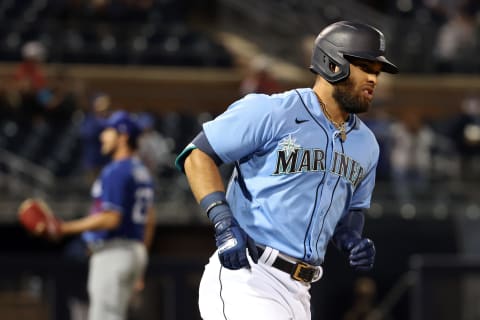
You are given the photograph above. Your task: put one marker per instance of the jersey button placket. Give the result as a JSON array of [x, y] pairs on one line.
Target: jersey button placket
[[326, 192], [330, 176]]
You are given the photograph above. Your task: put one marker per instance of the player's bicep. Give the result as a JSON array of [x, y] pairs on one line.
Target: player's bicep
[[199, 142], [203, 174]]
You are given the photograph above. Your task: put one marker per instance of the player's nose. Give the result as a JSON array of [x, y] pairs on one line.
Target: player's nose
[[372, 78]]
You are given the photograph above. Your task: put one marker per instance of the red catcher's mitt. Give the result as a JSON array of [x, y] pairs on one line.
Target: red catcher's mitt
[[37, 218]]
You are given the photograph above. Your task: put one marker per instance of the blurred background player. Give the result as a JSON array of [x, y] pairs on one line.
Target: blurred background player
[[90, 129], [154, 149], [120, 227]]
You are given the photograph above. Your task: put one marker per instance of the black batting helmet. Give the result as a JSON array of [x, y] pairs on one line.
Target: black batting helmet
[[344, 39]]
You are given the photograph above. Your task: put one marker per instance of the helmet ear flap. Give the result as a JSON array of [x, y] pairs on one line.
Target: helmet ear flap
[[329, 63]]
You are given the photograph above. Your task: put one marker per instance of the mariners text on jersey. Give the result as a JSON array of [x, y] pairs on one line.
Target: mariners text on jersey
[[295, 160]]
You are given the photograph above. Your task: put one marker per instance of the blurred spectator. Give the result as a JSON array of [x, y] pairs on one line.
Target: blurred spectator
[[58, 100], [455, 44], [154, 149], [90, 129], [30, 74], [364, 301], [442, 9], [411, 156], [379, 122], [466, 135], [259, 78], [29, 78]]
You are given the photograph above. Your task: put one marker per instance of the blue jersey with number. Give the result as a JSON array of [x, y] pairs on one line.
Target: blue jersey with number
[[124, 186], [294, 177]]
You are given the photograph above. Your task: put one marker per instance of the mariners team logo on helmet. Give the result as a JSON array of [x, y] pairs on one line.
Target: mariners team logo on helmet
[[345, 39]]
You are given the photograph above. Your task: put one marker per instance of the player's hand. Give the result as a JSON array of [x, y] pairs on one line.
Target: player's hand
[[231, 240], [232, 243], [361, 254]]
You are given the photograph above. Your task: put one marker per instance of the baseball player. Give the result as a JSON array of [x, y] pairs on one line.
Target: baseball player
[[121, 222], [304, 174]]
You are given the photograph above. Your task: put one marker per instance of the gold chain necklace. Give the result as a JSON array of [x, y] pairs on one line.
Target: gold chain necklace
[[339, 126]]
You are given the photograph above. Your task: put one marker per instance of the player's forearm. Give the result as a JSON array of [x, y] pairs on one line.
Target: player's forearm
[[349, 227], [103, 221], [149, 228], [202, 174]]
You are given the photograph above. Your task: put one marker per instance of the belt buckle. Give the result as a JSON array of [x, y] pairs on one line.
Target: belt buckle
[[305, 273]]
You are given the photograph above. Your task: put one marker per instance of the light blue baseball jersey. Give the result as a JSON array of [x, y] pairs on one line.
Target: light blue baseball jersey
[[124, 186], [294, 178]]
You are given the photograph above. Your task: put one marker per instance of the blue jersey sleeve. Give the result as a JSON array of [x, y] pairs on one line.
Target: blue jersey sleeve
[[363, 193], [244, 128], [115, 185]]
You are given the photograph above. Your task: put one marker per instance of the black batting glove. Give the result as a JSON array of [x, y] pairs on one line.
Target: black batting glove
[[361, 254], [231, 240]]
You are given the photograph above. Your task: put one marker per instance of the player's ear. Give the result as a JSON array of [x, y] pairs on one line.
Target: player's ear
[[122, 136]]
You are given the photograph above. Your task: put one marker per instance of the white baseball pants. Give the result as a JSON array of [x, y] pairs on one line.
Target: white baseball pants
[[262, 292]]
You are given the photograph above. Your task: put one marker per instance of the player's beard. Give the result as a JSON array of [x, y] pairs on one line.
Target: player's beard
[[348, 98], [110, 152], [109, 149]]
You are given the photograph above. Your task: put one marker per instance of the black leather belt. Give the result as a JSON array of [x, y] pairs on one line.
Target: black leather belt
[[299, 271]]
